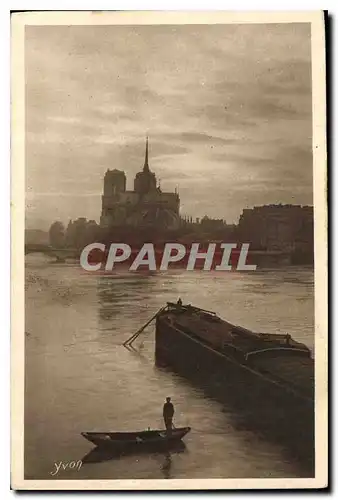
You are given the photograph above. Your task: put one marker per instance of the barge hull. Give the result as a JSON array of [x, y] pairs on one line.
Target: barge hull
[[252, 398]]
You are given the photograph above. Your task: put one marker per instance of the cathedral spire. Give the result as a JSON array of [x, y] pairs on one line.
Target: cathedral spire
[[146, 165]]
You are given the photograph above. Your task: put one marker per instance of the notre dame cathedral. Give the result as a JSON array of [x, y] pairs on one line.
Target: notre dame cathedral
[[146, 205]]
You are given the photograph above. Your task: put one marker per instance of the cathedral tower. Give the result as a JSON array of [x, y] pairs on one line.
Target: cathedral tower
[[114, 182]]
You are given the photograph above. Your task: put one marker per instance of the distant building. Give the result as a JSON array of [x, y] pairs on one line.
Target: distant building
[[278, 227], [146, 205], [208, 229], [208, 224]]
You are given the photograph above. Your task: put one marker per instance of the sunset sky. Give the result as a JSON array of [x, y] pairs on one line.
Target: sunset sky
[[227, 109]]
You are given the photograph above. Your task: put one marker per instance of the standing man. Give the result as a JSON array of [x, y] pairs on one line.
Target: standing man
[[168, 413]]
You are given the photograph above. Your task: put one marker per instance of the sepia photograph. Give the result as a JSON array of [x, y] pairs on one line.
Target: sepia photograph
[[169, 251]]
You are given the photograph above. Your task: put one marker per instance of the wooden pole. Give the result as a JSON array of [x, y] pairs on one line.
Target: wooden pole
[[136, 334]]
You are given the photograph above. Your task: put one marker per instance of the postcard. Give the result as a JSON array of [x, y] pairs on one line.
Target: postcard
[[169, 251]]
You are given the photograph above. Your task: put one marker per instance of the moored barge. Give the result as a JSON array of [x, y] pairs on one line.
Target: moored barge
[[267, 377]]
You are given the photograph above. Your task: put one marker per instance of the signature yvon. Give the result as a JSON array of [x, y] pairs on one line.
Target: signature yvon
[[65, 465]]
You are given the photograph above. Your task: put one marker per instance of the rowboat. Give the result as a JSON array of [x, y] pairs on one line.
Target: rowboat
[[122, 440]]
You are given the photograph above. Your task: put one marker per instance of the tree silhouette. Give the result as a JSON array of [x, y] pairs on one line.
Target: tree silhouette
[[57, 234]]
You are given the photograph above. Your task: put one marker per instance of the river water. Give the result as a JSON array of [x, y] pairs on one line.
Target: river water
[[79, 377]]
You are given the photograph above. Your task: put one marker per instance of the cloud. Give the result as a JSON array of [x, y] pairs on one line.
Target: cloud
[[227, 108]]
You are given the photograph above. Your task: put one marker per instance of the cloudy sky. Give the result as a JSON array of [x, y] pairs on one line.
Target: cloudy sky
[[227, 109]]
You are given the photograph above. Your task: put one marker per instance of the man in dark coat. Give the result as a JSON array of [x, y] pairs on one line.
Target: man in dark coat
[[168, 413]]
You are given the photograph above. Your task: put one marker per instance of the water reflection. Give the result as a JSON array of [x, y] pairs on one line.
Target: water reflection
[[166, 455], [166, 466]]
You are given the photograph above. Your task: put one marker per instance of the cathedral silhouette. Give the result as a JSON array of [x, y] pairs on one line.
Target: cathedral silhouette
[[145, 206]]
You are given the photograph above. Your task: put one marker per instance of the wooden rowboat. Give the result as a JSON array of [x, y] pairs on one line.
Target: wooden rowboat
[[141, 438]]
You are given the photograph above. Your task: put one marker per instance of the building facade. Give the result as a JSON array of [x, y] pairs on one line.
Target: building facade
[[146, 205], [278, 227]]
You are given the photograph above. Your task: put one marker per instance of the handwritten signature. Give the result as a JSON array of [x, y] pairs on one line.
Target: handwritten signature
[[66, 465]]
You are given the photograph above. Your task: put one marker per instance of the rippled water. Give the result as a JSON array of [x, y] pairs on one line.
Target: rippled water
[[79, 377]]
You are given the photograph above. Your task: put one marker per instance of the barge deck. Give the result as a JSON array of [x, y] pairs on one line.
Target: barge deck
[[278, 357]]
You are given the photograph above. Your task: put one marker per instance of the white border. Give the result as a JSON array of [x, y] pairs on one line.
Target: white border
[[319, 140]]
